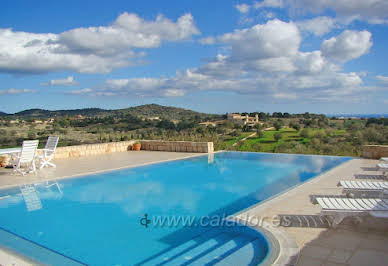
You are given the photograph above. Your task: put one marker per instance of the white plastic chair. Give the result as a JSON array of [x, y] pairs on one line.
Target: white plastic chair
[[26, 159], [48, 152]]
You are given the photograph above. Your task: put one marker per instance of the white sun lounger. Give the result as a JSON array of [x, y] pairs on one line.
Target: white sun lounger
[[384, 159], [383, 167], [341, 208], [364, 187]]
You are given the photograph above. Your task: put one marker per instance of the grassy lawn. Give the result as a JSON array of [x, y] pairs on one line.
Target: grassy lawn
[[231, 140], [267, 142]]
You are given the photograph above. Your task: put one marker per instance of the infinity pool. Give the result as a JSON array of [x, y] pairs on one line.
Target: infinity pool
[[96, 219]]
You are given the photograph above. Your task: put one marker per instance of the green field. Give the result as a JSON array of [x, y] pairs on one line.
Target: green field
[[268, 143]]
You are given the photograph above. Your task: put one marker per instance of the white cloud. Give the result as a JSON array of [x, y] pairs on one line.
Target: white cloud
[[69, 81], [318, 26], [348, 45], [383, 79], [92, 49], [373, 11], [262, 60], [273, 39], [208, 40], [16, 91], [82, 91], [173, 93], [310, 62], [269, 3], [242, 8]]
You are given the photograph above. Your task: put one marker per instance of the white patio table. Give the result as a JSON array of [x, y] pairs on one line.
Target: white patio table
[[10, 151]]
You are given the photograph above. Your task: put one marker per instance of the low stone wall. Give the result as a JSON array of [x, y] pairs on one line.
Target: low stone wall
[[177, 146], [374, 151], [92, 149], [150, 145]]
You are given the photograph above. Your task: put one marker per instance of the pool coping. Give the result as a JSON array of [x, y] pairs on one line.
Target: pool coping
[[283, 247]]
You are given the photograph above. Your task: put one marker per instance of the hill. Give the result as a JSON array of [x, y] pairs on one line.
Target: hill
[[148, 110], [47, 113], [164, 112]]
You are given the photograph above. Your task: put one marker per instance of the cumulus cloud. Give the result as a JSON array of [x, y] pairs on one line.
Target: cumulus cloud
[[269, 3], [263, 60], [383, 79], [348, 45], [208, 40], [15, 91], [92, 49], [373, 11], [69, 81], [273, 39], [318, 26], [242, 8], [82, 91]]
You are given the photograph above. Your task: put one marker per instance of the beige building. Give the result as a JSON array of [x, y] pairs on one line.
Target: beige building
[[244, 119]]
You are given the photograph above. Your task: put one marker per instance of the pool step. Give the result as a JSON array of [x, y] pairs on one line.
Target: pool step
[[213, 247], [165, 255], [220, 253], [199, 251], [242, 256]]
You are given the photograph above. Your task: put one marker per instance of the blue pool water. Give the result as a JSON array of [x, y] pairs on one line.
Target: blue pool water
[[95, 219]]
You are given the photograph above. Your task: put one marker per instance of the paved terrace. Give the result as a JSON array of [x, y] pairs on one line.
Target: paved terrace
[[77, 166], [350, 243], [365, 244]]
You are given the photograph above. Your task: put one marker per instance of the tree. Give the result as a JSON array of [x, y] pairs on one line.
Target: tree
[[305, 133], [277, 125], [277, 136], [166, 124], [295, 126]]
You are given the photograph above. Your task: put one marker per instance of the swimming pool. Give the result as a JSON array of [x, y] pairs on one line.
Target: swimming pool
[[100, 219]]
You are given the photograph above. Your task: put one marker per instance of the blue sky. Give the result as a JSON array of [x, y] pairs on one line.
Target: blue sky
[[325, 56]]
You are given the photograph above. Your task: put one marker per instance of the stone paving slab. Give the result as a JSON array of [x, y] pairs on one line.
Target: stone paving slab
[[350, 243], [72, 167]]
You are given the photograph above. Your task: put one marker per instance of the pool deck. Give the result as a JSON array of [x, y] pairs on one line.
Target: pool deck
[[364, 243], [349, 244], [78, 166]]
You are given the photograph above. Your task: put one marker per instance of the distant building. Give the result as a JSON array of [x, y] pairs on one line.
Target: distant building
[[244, 119]]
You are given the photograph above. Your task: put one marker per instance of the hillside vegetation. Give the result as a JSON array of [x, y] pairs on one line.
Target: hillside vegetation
[[279, 132], [144, 111]]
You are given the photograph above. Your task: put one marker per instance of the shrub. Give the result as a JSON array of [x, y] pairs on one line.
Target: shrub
[[295, 126], [305, 133], [256, 146], [277, 136], [31, 135], [277, 126]]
